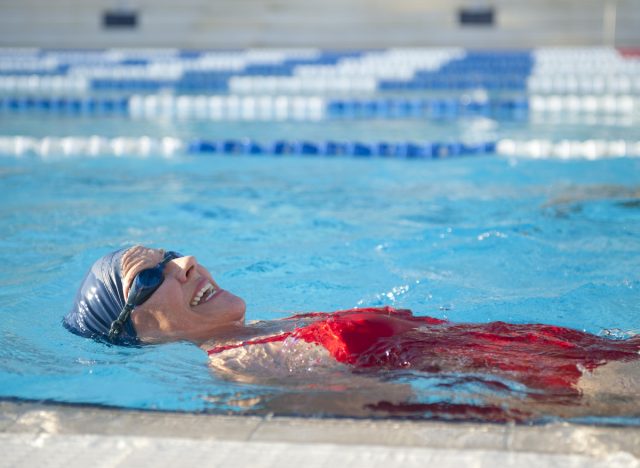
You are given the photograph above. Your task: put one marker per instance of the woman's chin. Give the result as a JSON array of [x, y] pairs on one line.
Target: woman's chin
[[223, 306]]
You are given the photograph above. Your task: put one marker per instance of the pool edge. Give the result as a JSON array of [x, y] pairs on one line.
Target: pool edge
[[18, 419]]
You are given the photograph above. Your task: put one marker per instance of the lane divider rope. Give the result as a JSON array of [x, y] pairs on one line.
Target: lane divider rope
[[169, 146], [268, 108]]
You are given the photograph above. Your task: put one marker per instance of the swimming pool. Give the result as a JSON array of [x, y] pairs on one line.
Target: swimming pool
[[547, 230]]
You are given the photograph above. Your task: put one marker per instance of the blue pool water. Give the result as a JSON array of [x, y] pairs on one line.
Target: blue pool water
[[473, 239], [469, 240]]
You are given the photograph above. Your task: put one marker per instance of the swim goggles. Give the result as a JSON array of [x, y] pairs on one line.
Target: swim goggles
[[144, 285]]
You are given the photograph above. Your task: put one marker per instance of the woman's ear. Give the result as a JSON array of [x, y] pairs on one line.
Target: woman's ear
[[147, 325]]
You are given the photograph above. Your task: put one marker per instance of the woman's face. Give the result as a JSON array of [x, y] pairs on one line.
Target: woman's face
[[188, 305]]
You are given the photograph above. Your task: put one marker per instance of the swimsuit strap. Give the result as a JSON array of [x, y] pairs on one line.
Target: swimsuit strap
[[268, 339]]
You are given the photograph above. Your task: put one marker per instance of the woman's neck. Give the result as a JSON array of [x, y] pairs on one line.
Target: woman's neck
[[239, 332]]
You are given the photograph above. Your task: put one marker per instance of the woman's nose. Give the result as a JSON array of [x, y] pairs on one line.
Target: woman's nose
[[186, 266]]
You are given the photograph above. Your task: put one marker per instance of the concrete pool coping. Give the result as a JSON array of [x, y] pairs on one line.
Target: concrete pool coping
[[33, 434]]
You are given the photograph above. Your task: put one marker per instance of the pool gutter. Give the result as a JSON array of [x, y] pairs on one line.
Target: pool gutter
[[34, 434]]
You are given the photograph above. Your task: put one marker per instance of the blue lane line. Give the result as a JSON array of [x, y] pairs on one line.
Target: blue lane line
[[477, 69], [219, 81], [59, 70], [336, 109], [85, 106], [329, 148], [443, 108]]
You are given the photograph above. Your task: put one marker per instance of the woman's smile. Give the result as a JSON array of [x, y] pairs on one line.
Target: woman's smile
[[204, 292]]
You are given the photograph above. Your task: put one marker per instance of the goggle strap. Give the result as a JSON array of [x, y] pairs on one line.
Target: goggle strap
[[117, 324]]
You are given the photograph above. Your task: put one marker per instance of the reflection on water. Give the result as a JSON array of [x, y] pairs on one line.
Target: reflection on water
[[493, 372], [446, 397], [572, 199]]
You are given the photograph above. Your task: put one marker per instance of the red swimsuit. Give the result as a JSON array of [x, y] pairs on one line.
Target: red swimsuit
[[540, 356]]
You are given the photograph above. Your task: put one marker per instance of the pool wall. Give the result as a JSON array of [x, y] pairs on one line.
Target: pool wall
[[331, 24]]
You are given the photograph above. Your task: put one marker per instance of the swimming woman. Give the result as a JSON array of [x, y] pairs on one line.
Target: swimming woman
[[144, 296]]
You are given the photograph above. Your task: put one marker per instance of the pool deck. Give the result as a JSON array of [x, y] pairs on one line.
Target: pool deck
[[34, 434]]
